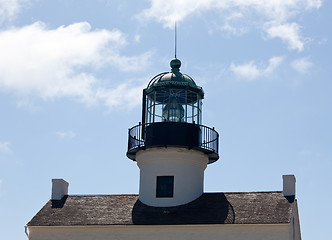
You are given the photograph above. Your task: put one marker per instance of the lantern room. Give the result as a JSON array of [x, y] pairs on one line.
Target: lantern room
[[172, 116], [172, 97]]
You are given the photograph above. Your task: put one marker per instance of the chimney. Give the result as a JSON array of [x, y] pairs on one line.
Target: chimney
[[289, 187], [59, 189]]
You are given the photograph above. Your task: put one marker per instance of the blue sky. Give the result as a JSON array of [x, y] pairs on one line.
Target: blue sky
[[72, 74]]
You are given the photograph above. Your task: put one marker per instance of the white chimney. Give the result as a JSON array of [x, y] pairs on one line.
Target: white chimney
[[289, 185], [59, 189]]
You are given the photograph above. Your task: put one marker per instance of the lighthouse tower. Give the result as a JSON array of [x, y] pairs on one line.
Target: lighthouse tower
[[171, 146]]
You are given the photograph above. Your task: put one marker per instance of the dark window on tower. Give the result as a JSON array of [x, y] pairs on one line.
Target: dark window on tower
[[165, 186]]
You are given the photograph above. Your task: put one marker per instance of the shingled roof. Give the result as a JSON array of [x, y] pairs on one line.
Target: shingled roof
[[210, 208]]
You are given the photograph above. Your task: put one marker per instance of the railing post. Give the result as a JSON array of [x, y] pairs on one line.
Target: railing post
[[128, 138]]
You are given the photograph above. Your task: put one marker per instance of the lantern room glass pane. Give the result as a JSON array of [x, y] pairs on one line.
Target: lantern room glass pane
[[158, 112], [173, 105]]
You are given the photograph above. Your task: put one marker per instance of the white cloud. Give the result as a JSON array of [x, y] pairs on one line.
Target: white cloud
[[66, 134], [301, 65], [250, 71], [9, 8], [274, 62], [49, 63], [123, 96], [289, 33], [322, 41], [230, 25], [5, 147], [236, 16], [313, 3], [137, 38], [178, 10], [27, 104]]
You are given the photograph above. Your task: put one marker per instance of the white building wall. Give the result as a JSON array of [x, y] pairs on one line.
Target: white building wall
[[295, 231], [187, 167], [185, 232]]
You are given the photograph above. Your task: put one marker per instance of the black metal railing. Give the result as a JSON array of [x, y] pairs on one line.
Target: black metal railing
[[208, 141], [210, 138], [135, 137]]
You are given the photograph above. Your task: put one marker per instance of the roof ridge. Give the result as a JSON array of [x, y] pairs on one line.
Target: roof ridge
[[245, 192], [91, 195], [136, 194]]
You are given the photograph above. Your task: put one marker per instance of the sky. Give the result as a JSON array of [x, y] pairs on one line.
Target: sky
[[71, 80]]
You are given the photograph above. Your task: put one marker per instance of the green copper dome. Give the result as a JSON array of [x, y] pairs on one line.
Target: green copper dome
[[173, 80]]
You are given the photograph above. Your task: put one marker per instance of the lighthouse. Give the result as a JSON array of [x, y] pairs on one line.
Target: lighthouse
[[170, 145], [172, 149]]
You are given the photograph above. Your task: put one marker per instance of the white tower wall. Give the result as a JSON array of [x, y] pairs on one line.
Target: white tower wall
[[187, 167]]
